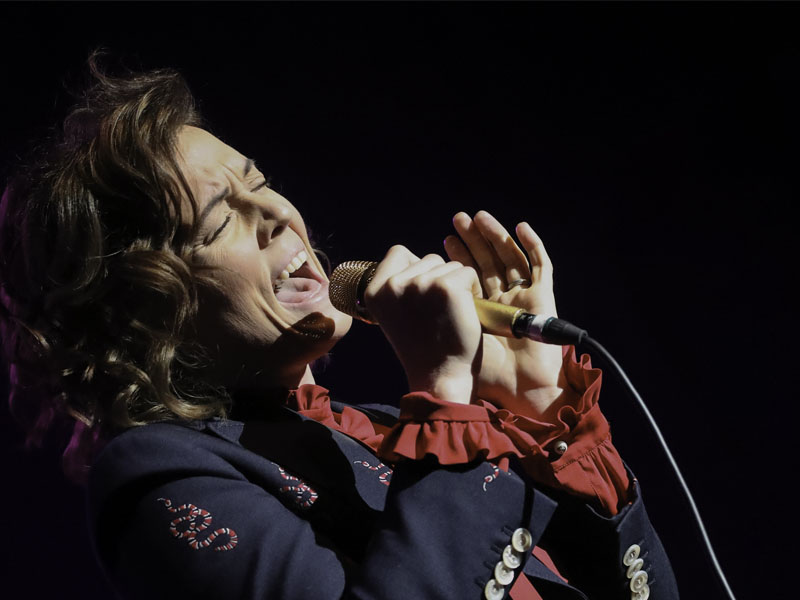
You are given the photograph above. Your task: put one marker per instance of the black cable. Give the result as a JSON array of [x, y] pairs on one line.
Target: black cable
[[595, 345]]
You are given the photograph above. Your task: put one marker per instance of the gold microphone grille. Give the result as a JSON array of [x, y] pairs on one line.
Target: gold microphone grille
[[343, 288]]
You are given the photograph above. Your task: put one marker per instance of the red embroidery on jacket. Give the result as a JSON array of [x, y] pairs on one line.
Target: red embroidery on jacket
[[190, 533], [490, 478], [496, 470], [384, 477], [304, 495]]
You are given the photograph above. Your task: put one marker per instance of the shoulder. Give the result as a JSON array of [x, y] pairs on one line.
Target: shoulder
[[165, 450], [167, 443]]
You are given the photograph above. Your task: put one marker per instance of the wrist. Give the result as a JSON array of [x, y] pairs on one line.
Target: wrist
[[544, 403], [448, 383]]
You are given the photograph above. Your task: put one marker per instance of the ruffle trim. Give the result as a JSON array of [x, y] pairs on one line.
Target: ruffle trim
[[313, 401], [457, 433]]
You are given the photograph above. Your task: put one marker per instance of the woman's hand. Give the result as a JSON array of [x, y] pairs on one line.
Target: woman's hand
[[426, 310], [518, 374]]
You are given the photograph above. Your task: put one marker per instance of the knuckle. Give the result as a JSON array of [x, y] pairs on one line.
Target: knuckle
[[433, 258], [393, 285], [398, 250], [469, 272], [419, 284]]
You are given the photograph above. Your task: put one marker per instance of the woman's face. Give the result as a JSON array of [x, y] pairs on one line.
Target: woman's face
[[272, 314]]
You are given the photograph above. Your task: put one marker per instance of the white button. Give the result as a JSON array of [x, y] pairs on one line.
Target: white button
[[638, 581], [560, 447], [522, 540], [511, 558], [631, 554], [642, 594], [635, 566], [493, 590], [502, 574]]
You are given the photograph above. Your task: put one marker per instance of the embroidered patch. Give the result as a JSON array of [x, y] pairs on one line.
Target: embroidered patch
[[490, 478], [495, 474], [384, 477], [302, 494], [197, 520]]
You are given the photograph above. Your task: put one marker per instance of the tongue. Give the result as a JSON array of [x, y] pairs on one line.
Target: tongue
[[296, 289]]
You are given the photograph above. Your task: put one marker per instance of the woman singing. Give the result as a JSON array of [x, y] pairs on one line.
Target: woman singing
[[161, 298]]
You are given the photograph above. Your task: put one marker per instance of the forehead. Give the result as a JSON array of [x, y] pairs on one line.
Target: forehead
[[209, 162]]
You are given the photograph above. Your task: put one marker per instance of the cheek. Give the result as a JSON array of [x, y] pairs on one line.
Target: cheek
[[243, 284], [232, 316], [243, 265]]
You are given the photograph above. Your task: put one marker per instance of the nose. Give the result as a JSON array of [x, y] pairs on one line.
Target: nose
[[275, 214]]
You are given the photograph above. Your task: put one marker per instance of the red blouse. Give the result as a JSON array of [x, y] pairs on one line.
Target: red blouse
[[589, 468]]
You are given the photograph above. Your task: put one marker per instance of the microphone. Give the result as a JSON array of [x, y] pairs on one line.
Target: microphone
[[350, 279]]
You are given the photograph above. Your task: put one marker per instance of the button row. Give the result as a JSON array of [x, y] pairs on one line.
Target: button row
[[637, 575], [521, 543]]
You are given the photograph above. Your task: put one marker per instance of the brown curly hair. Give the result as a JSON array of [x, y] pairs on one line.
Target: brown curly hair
[[97, 289]]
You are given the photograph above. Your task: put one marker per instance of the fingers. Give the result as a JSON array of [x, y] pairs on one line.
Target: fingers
[[456, 250], [432, 271], [516, 264], [401, 270], [396, 259], [459, 277], [424, 266], [486, 245], [541, 265], [485, 259]]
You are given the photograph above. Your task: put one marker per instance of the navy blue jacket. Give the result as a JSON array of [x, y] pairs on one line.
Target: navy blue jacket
[[286, 508]]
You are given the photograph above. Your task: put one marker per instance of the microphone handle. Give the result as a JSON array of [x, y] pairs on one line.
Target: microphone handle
[[510, 321]]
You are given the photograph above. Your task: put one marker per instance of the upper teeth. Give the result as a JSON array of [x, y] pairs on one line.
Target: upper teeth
[[296, 263]]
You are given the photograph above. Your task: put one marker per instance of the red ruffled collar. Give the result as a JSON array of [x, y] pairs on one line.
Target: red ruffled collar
[[313, 401]]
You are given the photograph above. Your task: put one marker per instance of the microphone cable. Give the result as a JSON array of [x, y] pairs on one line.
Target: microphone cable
[[595, 345]]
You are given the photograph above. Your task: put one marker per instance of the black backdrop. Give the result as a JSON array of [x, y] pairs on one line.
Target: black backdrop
[[652, 146]]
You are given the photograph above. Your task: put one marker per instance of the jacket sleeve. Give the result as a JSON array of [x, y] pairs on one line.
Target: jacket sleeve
[[619, 556], [173, 518]]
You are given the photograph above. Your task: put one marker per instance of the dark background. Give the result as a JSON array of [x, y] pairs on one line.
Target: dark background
[[652, 146]]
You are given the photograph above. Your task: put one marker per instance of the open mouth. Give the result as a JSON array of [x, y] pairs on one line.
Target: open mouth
[[298, 282]]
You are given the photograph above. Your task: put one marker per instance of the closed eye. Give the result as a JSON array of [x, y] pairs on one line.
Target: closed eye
[[265, 184], [219, 229]]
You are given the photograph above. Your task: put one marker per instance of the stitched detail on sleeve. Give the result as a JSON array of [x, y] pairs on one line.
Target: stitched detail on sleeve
[[197, 520], [490, 478], [385, 477], [302, 493]]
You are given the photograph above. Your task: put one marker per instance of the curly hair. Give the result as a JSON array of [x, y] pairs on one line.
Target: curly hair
[[97, 288]]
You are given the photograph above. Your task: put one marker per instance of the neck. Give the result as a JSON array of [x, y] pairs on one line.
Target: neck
[[255, 395], [308, 376], [260, 384]]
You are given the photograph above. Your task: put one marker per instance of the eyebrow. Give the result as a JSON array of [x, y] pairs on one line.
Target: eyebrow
[[248, 166]]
